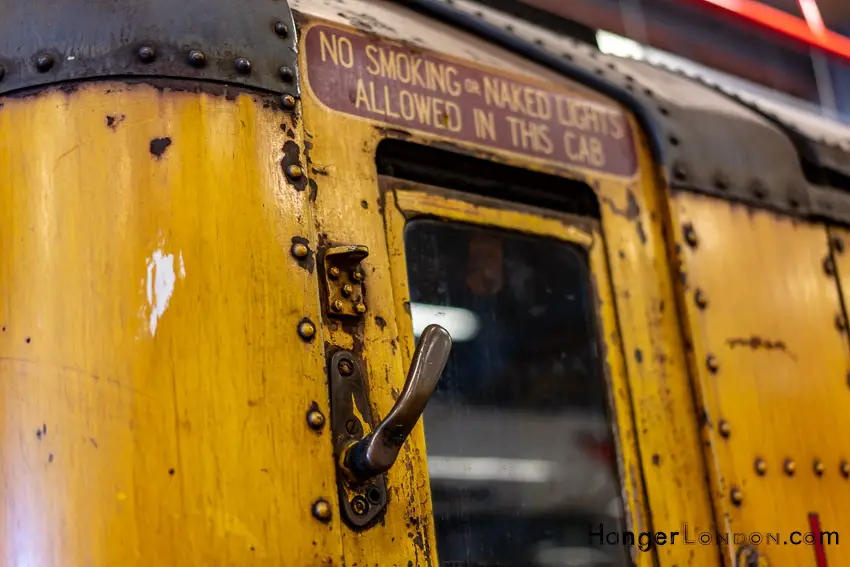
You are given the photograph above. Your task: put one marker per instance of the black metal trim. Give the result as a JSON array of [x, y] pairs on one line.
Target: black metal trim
[[252, 44]]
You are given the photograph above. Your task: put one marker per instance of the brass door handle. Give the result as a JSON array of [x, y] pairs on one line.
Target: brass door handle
[[376, 453]]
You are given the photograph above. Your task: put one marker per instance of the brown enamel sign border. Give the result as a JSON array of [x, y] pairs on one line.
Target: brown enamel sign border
[[391, 83]]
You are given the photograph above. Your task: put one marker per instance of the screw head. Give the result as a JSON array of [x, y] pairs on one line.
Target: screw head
[[819, 467], [306, 330], [359, 505], [680, 172], [790, 467], [315, 419], [345, 367], [700, 299], [761, 467], [333, 272], [360, 308], [287, 101], [737, 496], [197, 58], [286, 74], [690, 235], [347, 290], [845, 469], [294, 171], [44, 63], [337, 305], [281, 29], [243, 65], [724, 428], [712, 364], [352, 426], [146, 54], [322, 510], [300, 250]]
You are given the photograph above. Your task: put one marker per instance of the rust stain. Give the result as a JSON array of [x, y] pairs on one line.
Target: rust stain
[[757, 343]]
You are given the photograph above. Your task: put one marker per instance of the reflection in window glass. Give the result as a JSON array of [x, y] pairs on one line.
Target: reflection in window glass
[[519, 446]]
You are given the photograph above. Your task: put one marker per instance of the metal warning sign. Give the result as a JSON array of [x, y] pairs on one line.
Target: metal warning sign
[[392, 83]]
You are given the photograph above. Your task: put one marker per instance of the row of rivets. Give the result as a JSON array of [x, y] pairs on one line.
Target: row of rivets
[[790, 468], [196, 58]]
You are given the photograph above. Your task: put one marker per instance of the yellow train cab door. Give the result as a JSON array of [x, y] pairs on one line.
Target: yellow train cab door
[[523, 456]]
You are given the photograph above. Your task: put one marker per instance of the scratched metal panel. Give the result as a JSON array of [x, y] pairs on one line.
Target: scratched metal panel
[[770, 360]]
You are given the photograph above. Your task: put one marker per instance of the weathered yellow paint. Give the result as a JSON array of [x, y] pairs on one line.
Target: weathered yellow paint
[[781, 382], [666, 419], [153, 385]]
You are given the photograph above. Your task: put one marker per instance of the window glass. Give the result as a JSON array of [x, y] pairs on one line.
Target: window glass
[[519, 446]]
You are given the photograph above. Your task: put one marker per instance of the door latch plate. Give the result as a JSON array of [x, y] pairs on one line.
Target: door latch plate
[[362, 503]]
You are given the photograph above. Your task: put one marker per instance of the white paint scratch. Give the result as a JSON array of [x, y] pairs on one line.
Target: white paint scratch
[[159, 285]]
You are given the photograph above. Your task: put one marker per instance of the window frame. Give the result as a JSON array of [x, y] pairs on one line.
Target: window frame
[[405, 200]]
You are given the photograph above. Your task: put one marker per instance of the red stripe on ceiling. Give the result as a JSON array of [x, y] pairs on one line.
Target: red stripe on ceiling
[[814, 526], [784, 23]]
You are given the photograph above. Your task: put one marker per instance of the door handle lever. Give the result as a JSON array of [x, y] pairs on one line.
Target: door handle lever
[[376, 453]]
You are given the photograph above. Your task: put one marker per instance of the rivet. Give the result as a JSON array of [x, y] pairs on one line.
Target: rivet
[[44, 63], [761, 467], [712, 364], [828, 266], [357, 275], [737, 496], [700, 299], [322, 510], [146, 54], [840, 323], [287, 101], [315, 419], [359, 505], [690, 235], [242, 65], [300, 250], [294, 171], [721, 181], [337, 305], [724, 428], [286, 74], [819, 467], [333, 272], [281, 29], [680, 172], [306, 329], [838, 245], [845, 469], [360, 308], [790, 467], [345, 367], [347, 290], [197, 58]]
